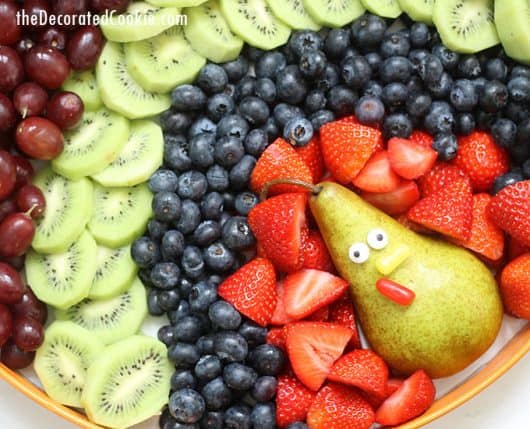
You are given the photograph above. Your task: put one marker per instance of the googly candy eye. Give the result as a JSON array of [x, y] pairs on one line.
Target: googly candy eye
[[359, 253], [377, 239]]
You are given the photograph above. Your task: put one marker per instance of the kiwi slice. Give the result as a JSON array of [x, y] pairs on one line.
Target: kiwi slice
[[63, 279], [128, 383], [512, 19], [115, 270], [93, 145], [293, 14], [68, 209], [62, 360], [176, 3], [138, 159], [334, 13], [84, 84], [386, 8], [119, 90], [418, 10], [163, 62], [255, 23], [110, 319], [465, 26], [120, 214], [209, 33], [140, 21]]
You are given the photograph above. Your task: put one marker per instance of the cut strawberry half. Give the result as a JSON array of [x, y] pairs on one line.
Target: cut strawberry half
[[312, 157], [293, 400], [315, 253], [377, 175], [341, 312], [321, 315], [441, 175], [308, 290], [313, 348], [376, 400], [279, 316], [398, 201], [409, 159]]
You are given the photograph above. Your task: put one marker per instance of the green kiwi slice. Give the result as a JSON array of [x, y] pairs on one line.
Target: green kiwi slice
[[385, 8], [334, 13], [176, 3], [84, 84], [62, 360], [512, 19], [465, 26], [120, 214], [68, 209], [119, 90], [163, 62], [140, 21], [138, 160], [115, 270], [93, 145], [293, 14], [255, 23], [418, 10], [209, 33], [110, 319], [63, 279]]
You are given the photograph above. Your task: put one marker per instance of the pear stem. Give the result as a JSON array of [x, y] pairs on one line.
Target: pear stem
[[284, 181]]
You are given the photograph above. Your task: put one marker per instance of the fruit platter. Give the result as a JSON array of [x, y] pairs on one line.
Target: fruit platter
[[258, 214]]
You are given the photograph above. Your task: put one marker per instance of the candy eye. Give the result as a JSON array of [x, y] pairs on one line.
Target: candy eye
[[377, 239], [359, 253]]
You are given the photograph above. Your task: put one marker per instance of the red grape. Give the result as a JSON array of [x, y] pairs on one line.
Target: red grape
[[71, 8], [8, 174], [11, 69], [6, 324], [28, 333], [9, 29], [54, 38], [84, 47], [16, 234], [47, 66], [30, 306], [24, 171], [30, 99], [38, 8], [30, 197], [14, 358], [17, 262], [24, 45], [8, 114], [101, 6], [11, 286], [65, 109], [39, 138], [7, 207]]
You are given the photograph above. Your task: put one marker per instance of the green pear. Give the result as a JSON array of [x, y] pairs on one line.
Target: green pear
[[457, 311]]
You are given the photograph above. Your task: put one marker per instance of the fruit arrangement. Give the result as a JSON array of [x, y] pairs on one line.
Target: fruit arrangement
[[252, 173]]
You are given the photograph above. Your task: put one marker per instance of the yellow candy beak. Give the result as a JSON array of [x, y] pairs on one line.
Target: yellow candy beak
[[389, 262]]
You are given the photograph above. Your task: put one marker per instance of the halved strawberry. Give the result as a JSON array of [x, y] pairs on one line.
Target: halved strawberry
[[279, 316], [397, 201], [409, 159], [312, 157], [363, 369], [441, 175], [276, 337], [252, 290], [339, 407], [277, 224], [313, 348], [377, 175], [308, 290], [321, 315], [376, 400], [341, 312], [411, 399], [293, 400], [315, 253], [421, 138]]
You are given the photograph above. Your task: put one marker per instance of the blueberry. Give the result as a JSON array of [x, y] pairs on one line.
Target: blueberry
[[172, 244], [232, 91], [263, 416], [201, 148], [337, 41], [256, 142], [465, 123], [523, 132], [223, 315], [415, 85], [240, 173], [442, 87], [192, 262], [519, 89], [341, 100], [517, 112], [373, 88], [329, 78], [253, 53], [395, 44], [494, 97], [173, 424], [212, 78], [206, 233], [236, 233], [321, 117], [418, 104], [298, 131], [218, 106], [430, 69], [297, 425], [448, 58], [395, 94], [369, 110], [267, 359], [312, 63], [507, 179], [208, 367], [145, 252], [237, 417], [192, 185], [229, 202], [271, 129], [175, 122], [216, 394], [152, 303], [397, 125], [176, 155], [201, 125], [439, 118], [239, 377], [218, 257], [182, 310], [166, 207], [395, 69], [183, 379], [245, 87], [202, 295], [420, 35], [469, 67], [165, 275], [186, 405], [446, 145], [290, 85], [480, 84], [463, 95], [485, 120], [217, 178], [416, 56], [253, 333], [269, 64], [356, 72], [283, 113], [264, 388], [374, 60], [166, 334], [232, 125], [314, 101], [236, 69], [188, 329], [212, 420], [305, 40], [496, 69], [188, 97], [168, 299], [254, 110], [265, 89], [244, 202], [520, 70], [230, 346], [504, 132], [368, 30], [156, 229], [184, 355], [229, 151], [526, 169], [206, 344], [163, 181]]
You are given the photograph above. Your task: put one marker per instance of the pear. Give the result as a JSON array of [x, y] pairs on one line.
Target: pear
[[456, 313]]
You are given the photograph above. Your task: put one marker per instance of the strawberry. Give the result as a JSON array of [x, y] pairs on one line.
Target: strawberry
[[481, 159], [279, 161], [293, 400], [252, 290], [516, 248], [398, 201], [515, 287], [308, 290], [362, 369], [376, 400], [339, 407], [416, 227], [313, 348], [448, 211], [347, 147], [377, 175], [276, 337], [409, 159], [341, 312], [278, 225], [352, 119], [440, 176], [312, 157], [279, 316], [321, 315], [421, 138], [510, 210], [315, 253]]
